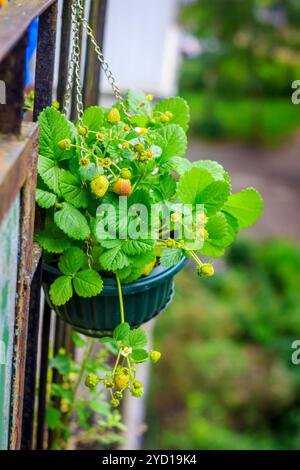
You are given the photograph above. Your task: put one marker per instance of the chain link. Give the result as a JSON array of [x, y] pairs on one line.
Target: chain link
[[79, 19]]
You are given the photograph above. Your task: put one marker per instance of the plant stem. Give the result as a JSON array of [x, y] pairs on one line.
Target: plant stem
[[120, 299], [195, 257]]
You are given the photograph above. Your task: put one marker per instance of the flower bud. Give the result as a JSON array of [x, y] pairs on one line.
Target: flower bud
[[164, 118], [84, 161], [137, 392], [83, 130], [114, 403]]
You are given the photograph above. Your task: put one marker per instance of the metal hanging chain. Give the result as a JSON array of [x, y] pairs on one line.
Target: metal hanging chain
[[79, 19], [74, 65]]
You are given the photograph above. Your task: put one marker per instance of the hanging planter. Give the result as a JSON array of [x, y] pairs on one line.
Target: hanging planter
[[124, 209], [100, 315]]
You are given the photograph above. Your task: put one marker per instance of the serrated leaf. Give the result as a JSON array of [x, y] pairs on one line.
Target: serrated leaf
[[61, 290], [172, 140], [135, 247], [192, 183], [45, 199], [72, 260], [87, 283], [114, 259], [214, 196], [106, 339], [93, 118], [54, 128], [49, 172], [167, 186], [246, 206], [178, 164], [139, 355], [219, 236], [179, 108], [137, 339], [52, 239], [71, 189], [62, 363], [214, 168], [170, 256], [72, 222], [121, 332]]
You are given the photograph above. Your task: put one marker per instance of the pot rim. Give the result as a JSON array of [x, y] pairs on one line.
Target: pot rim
[[143, 283]]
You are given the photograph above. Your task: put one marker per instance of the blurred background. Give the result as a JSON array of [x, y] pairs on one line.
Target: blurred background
[[226, 379]]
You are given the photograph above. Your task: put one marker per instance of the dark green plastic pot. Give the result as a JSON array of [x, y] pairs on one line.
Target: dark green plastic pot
[[98, 316]]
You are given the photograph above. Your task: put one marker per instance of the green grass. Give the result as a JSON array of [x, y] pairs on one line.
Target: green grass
[[267, 121]]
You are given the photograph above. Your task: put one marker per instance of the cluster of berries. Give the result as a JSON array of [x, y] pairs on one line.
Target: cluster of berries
[[120, 379]]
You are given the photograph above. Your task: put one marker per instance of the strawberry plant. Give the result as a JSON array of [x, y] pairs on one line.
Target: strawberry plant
[[98, 177]]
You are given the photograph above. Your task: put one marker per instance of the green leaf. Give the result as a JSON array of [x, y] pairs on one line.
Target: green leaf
[[220, 235], [54, 128], [72, 260], [167, 186], [93, 118], [45, 199], [246, 206], [214, 196], [62, 363], [192, 183], [114, 259], [106, 339], [61, 290], [178, 164], [71, 189], [52, 239], [170, 256], [121, 332], [139, 355], [78, 340], [179, 108], [72, 222], [49, 172], [172, 140], [53, 418], [137, 339], [214, 168], [87, 283], [135, 247]]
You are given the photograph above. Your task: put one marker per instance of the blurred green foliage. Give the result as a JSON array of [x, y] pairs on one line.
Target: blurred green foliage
[[226, 380], [250, 57]]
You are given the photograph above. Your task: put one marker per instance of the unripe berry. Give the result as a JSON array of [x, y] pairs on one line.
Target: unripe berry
[[155, 356], [99, 185], [114, 116], [64, 144], [139, 147], [118, 395], [92, 380], [206, 270], [125, 173], [137, 392], [137, 384], [170, 243], [82, 130], [122, 187], [121, 380], [114, 403]]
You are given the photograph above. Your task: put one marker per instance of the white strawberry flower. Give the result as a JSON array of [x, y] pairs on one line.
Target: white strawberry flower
[[126, 351]]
